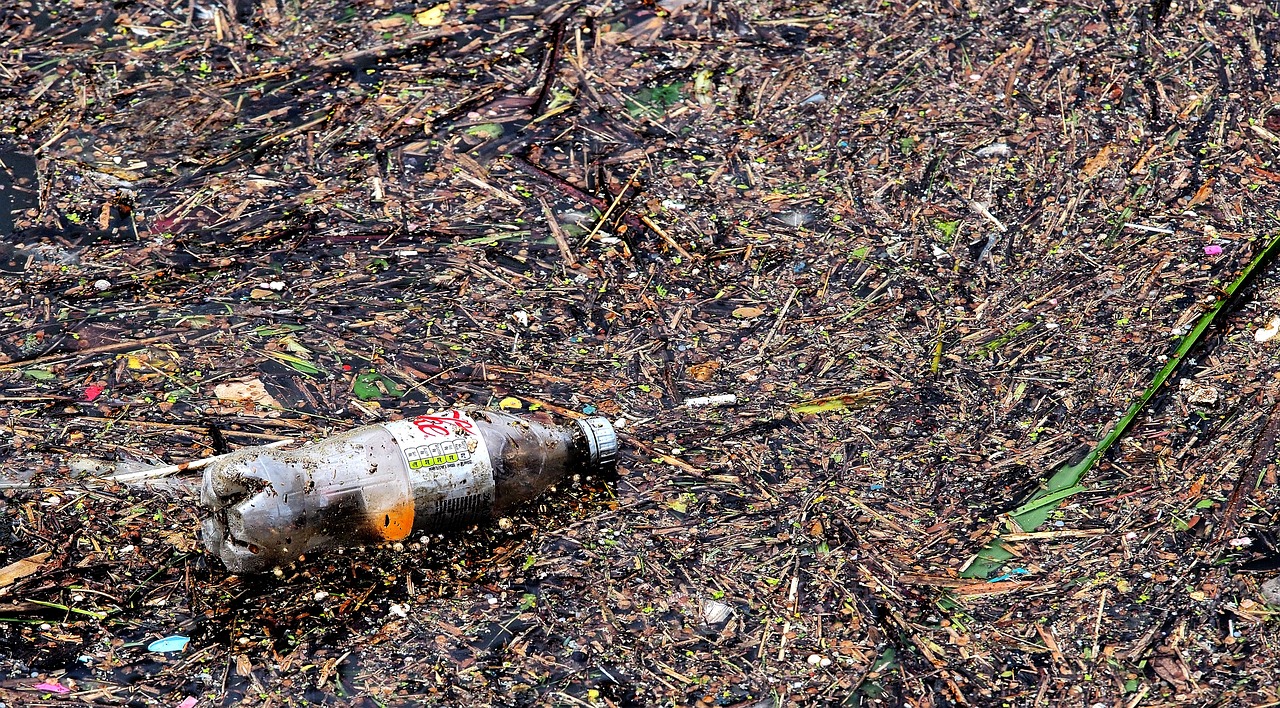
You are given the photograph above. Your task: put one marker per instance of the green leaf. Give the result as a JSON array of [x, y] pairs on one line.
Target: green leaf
[[1031, 515], [298, 363], [654, 100], [486, 131], [948, 228], [277, 330], [366, 388], [38, 374]]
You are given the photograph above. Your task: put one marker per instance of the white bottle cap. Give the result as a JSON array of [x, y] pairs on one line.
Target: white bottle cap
[[602, 443]]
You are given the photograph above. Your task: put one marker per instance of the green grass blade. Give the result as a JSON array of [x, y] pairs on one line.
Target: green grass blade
[[1065, 482]]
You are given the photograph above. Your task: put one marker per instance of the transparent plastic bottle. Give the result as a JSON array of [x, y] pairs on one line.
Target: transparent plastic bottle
[[382, 482]]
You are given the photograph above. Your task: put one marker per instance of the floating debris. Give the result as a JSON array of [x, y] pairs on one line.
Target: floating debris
[[995, 150], [720, 401], [169, 644], [715, 612], [1264, 334]]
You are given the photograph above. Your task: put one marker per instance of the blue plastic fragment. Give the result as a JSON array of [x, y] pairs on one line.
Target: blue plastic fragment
[[168, 644], [876, 487], [1009, 575], [588, 409]]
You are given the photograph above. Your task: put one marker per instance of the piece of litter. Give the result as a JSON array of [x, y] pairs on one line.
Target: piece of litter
[[188, 702], [727, 399], [1010, 575], [1144, 227], [995, 150], [1213, 250], [52, 686], [168, 644], [715, 612], [1264, 334], [1240, 542], [91, 392], [407, 253]]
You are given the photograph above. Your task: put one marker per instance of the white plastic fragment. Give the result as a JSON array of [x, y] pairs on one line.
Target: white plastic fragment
[[727, 399], [1264, 334], [995, 150], [1145, 227], [715, 612]]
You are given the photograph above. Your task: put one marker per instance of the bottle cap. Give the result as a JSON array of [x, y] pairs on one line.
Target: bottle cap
[[602, 443]]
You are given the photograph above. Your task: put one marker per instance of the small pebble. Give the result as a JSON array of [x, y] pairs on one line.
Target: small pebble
[[320, 595], [1265, 334], [814, 660], [101, 285], [505, 524], [1271, 591], [397, 547]]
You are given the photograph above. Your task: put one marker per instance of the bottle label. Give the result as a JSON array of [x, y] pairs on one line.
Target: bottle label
[[449, 468]]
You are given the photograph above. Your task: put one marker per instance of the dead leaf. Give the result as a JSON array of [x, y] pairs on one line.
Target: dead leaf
[[704, 371], [383, 24], [181, 540], [1171, 668], [433, 16], [1094, 165], [642, 32], [251, 395], [21, 569], [747, 312], [1202, 195]]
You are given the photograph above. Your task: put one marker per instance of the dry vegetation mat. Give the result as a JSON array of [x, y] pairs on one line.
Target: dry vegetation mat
[[925, 253]]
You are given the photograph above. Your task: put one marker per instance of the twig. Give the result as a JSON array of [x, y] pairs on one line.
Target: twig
[[556, 232], [156, 472], [1263, 449], [616, 200], [666, 237], [778, 323], [118, 346], [981, 210]]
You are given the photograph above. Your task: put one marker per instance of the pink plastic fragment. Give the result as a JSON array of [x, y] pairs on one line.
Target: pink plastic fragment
[[54, 687], [190, 702], [1212, 250], [92, 391]]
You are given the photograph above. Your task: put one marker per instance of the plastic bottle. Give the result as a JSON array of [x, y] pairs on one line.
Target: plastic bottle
[[382, 482]]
